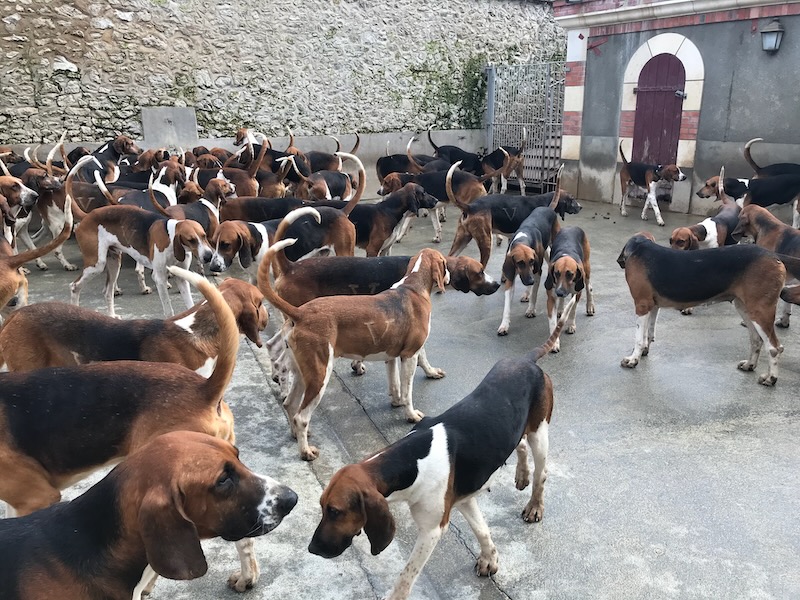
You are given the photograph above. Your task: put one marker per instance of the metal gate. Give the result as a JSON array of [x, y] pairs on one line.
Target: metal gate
[[528, 97]]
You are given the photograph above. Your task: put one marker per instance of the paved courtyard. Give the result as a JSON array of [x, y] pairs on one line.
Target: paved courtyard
[[678, 479]]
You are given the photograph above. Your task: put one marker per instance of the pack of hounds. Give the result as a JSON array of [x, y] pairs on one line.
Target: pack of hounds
[[85, 390]]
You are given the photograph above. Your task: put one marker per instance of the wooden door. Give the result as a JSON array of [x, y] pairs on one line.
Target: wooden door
[[659, 99]]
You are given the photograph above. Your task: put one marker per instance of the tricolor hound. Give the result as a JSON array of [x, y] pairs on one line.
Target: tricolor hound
[[750, 276], [443, 463], [145, 518], [647, 177]]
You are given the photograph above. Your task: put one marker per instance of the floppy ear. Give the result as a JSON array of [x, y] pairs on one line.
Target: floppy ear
[[248, 322], [414, 204], [178, 249], [170, 539], [379, 525], [245, 253], [579, 283], [459, 279], [693, 243], [439, 276]]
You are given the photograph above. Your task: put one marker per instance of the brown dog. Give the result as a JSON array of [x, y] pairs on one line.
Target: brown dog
[[391, 326], [645, 176], [54, 334], [145, 518]]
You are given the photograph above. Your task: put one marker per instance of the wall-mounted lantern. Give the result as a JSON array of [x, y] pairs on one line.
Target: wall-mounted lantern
[[771, 36]]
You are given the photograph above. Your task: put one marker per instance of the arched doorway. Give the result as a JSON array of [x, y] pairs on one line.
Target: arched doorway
[[659, 104]]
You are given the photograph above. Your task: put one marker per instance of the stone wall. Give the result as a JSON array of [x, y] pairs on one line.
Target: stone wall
[[89, 66]]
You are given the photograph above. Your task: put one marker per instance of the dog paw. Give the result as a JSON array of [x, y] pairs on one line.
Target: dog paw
[[687, 311], [42, 266], [25, 270], [590, 311], [530, 314], [435, 373], [358, 367], [502, 330], [570, 329], [623, 212], [522, 479], [146, 290], [414, 416], [525, 297], [782, 323], [486, 565], [746, 365], [767, 379], [437, 240], [629, 362], [661, 223], [310, 453], [533, 512], [70, 267], [645, 218], [241, 583], [556, 347]]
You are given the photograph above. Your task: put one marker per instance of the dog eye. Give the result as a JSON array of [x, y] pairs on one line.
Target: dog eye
[[333, 513], [224, 245]]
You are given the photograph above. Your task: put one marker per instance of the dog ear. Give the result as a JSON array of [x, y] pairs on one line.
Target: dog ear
[[441, 274], [178, 249], [694, 244], [245, 252], [170, 539], [248, 322], [379, 525], [579, 282]]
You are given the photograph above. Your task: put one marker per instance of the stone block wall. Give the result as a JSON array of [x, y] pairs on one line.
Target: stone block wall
[[89, 66]]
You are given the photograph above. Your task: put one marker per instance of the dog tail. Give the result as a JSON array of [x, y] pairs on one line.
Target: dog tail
[[228, 336], [76, 208], [622, 154], [255, 163], [284, 264], [356, 145], [435, 147], [503, 167], [20, 259], [415, 166], [524, 140], [98, 181], [551, 341], [448, 186], [749, 158], [557, 194], [362, 182], [153, 199], [266, 287]]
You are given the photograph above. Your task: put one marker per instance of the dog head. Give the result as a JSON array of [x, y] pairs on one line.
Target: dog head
[[671, 173], [748, 224], [189, 235], [709, 188], [232, 238], [520, 260], [468, 275], [218, 190], [183, 487], [683, 238], [39, 181], [430, 263], [350, 503], [149, 160], [207, 161], [16, 192], [565, 277], [247, 304], [632, 245], [567, 205], [123, 145], [191, 192], [391, 183], [417, 198], [200, 150]]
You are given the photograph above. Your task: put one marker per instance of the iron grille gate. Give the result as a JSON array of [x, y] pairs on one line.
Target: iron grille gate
[[528, 97]]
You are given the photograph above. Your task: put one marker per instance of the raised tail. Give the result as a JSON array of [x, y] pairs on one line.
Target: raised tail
[[362, 182], [20, 259], [551, 341], [284, 264], [435, 147], [622, 154], [557, 194], [749, 158], [153, 199], [448, 186], [415, 166], [356, 145], [266, 287], [228, 341], [76, 208]]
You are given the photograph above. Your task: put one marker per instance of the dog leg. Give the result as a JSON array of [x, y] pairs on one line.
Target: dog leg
[[56, 225], [521, 182], [160, 279], [552, 319], [522, 474], [755, 339], [358, 367], [503, 184], [509, 295], [437, 226], [21, 228], [247, 577], [146, 583], [184, 288], [651, 330], [143, 287], [651, 202], [539, 442], [796, 214], [404, 227], [623, 210], [786, 313], [431, 372], [487, 561], [530, 296], [589, 299], [442, 213], [642, 329], [571, 318], [408, 367], [427, 539], [314, 390], [113, 265], [88, 273], [393, 377]]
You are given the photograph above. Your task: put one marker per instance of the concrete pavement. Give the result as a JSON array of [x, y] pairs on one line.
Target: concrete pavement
[[677, 479]]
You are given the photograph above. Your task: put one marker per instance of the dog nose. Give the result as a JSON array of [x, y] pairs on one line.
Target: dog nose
[[287, 500], [561, 292]]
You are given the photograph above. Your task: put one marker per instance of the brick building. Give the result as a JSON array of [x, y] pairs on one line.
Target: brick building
[[684, 81]]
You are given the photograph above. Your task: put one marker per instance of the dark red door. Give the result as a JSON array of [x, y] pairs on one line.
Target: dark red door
[[659, 98]]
